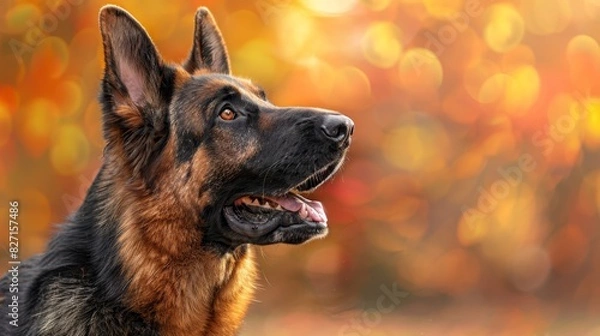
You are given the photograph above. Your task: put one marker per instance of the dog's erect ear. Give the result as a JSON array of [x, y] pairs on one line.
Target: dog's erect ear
[[208, 50], [135, 93], [132, 74]]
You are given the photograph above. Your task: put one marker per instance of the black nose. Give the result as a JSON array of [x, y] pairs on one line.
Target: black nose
[[337, 127]]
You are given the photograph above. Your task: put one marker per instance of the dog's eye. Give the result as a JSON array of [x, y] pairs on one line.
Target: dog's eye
[[227, 114]]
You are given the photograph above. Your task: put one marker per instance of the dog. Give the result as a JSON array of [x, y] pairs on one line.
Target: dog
[[199, 166]]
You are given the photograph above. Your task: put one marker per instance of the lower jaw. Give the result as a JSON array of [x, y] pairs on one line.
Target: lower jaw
[[295, 236], [278, 230]]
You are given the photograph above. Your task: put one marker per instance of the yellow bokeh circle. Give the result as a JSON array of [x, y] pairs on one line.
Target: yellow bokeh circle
[[504, 28], [544, 17], [416, 146], [5, 124], [70, 150], [337, 7], [380, 44], [35, 125], [295, 32], [583, 58], [377, 5], [420, 70], [443, 8], [492, 88], [522, 89]]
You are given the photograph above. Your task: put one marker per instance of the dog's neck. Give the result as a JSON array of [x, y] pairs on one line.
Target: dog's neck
[[174, 280]]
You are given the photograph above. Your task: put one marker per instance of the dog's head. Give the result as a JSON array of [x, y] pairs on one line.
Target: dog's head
[[194, 133]]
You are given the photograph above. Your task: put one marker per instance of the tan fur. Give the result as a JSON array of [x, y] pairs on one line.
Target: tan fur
[[236, 154], [130, 114], [173, 281], [249, 86], [200, 175], [233, 299], [201, 71], [181, 76], [177, 287]]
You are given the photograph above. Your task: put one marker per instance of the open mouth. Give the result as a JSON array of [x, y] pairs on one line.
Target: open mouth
[[255, 215], [301, 207]]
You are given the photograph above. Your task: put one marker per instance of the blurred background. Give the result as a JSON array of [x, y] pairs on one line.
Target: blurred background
[[470, 201]]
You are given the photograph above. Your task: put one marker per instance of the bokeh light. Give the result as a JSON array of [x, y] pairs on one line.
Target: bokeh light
[[330, 7], [422, 146], [381, 45], [504, 28], [420, 71], [70, 150], [5, 125], [583, 57], [37, 121], [545, 17], [522, 88], [443, 8]]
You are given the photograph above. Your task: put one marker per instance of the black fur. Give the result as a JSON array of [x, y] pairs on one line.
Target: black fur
[[78, 280]]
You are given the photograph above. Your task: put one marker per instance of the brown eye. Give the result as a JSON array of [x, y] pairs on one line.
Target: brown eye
[[227, 114]]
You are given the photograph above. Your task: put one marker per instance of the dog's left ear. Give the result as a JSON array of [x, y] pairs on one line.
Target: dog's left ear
[[208, 50]]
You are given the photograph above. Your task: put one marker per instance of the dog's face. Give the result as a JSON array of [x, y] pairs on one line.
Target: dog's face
[[214, 141]]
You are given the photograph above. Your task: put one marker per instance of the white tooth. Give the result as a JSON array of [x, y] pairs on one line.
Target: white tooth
[[255, 202], [303, 212], [279, 207]]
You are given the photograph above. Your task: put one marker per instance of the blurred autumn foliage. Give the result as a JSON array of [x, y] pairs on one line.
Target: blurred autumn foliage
[[473, 181]]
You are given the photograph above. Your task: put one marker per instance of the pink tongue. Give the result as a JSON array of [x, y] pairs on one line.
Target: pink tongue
[[295, 203]]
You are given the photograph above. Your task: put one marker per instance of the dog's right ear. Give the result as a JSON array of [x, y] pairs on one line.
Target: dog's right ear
[[208, 49]]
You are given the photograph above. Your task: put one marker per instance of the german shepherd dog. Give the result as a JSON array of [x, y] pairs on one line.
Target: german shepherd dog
[[198, 167]]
